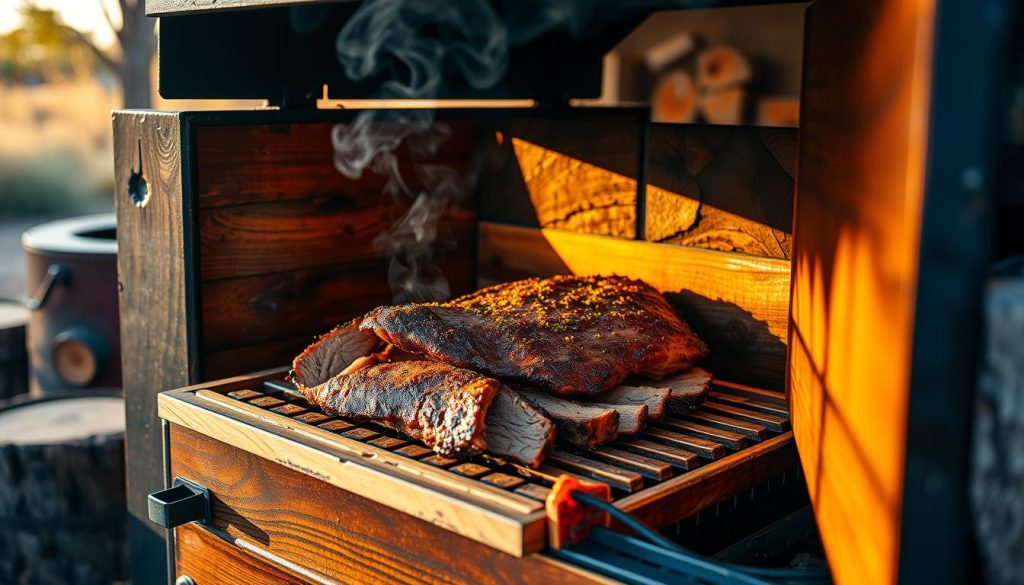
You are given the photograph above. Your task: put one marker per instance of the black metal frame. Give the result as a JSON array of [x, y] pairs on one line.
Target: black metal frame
[[968, 66]]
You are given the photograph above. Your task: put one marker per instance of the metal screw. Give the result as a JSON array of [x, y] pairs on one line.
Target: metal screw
[[184, 580]]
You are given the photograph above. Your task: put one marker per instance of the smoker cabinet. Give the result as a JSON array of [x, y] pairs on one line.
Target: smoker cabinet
[[238, 241]]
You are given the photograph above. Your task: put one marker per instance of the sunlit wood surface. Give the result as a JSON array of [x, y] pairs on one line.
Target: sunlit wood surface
[[858, 211]]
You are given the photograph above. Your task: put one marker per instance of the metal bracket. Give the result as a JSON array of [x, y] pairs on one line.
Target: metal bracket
[[55, 274], [183, 502]]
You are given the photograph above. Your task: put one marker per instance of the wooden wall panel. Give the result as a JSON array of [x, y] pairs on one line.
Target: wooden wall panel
[[864, 127], [338, 534], [575, 175], [721, 187], [209, 560], [288, 244]]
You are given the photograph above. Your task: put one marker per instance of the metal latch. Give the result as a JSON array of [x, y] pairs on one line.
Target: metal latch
[[183, 502]]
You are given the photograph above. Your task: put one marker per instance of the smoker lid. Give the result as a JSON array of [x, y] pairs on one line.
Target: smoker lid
[[90, 234]]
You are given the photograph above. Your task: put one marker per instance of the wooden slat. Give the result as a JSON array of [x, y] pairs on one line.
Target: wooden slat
[[751, 404], [717, 292], [267, 238], [617, 477], [777, 398], [313, 524], [773, 422], [389, 443], [675, 456], [702, 447], [688, 493], [503, 480], [751, 430], [645, 466], [727, 438], [155, 271], [206, 558], [534, 491]]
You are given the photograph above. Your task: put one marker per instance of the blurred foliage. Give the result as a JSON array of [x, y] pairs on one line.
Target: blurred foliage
[[49, 183], [42, 49]]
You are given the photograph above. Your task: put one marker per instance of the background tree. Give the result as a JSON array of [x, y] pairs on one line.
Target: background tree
[[136, 41]]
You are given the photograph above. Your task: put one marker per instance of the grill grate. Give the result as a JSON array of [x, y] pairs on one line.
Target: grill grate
[[732, 419]]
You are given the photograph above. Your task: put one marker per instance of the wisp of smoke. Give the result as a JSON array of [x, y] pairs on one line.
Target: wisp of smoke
[[412, 45], [388, 37]]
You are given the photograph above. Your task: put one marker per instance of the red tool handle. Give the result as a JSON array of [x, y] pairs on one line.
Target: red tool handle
[[569, 521]]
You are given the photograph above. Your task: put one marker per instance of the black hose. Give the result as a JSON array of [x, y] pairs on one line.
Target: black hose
[[803, 576]]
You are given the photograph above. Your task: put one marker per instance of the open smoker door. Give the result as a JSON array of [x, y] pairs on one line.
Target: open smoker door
[[890, 242]]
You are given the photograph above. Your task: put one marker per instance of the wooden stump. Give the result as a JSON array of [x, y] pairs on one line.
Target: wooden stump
[[62, 491], [997, 477], [13, 355]]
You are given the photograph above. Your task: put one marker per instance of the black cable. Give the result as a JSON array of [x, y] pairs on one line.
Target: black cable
[[812, 575]]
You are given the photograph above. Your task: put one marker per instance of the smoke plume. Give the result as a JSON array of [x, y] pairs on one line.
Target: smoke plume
[[414, 45]]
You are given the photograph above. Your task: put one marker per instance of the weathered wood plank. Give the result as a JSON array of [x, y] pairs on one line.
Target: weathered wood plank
[[206, 558], [333, 230], [295, 517], [738, 304], [722, 187], [155, 264], [260, 163], [575, 175]]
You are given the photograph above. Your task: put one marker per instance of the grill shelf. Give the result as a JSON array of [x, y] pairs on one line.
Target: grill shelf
[[731, 420]]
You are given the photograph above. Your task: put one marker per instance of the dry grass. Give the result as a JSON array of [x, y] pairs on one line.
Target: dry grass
[[55, 147]]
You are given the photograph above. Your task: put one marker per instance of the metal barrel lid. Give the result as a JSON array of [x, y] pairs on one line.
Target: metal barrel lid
[[89, 234]]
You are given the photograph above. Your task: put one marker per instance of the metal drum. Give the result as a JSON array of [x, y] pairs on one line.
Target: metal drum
[[71, 287]]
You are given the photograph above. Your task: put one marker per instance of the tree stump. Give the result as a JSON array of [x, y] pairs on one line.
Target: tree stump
[[13, 355], [997, 475], [62, 491]]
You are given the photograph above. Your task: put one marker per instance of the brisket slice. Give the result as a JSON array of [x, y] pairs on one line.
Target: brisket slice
[[632, 417], [686, 389], [581, 425], [442, 406], [569, 334], [655, 399], [517, 430], [333, 352]]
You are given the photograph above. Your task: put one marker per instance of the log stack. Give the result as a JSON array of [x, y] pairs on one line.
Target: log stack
[[62, 490]]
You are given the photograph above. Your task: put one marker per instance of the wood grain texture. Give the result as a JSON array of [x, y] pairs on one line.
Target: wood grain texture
[[155, 269], [338, 534], [722, 187], [863, 153], [261, 163], [288, 244], [575, 175], [738, 304], [209, 560]]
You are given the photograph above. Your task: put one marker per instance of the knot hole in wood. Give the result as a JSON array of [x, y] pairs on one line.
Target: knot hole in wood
[[138, 188]]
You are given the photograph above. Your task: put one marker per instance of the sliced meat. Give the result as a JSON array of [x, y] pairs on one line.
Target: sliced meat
[[333, 352], [582, 425], [517, 430], [443, 406], [686, 389], [655, 399], [632, 417], [569, 334]]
